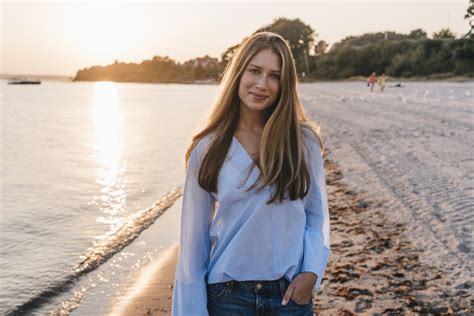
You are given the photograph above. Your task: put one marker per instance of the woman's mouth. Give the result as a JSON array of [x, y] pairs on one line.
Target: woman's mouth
[[258, 97]]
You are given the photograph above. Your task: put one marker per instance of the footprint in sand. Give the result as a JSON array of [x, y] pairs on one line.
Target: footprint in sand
[[351, 293]]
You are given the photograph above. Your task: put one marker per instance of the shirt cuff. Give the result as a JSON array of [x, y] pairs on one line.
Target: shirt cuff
[[189, 299], [316, 255]]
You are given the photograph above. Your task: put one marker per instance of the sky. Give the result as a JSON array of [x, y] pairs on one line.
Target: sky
[[62, 37]]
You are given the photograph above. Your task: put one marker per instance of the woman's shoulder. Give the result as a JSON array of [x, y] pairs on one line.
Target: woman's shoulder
[[202, 144], [310, 135]]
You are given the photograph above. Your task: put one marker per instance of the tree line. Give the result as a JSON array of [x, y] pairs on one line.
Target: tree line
[[395, 54], [157, 70]]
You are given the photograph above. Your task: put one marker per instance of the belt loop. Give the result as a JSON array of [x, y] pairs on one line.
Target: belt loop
[[231, 285]]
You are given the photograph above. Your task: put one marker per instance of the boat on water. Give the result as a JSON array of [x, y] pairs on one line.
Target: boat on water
[[24, 81]]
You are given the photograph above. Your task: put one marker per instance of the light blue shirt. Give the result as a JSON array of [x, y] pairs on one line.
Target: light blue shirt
[[236, 235]]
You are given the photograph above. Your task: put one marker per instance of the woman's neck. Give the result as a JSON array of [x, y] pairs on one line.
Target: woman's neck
[[251, 121]]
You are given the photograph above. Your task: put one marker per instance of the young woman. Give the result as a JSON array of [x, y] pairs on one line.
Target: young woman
[[255, 222]]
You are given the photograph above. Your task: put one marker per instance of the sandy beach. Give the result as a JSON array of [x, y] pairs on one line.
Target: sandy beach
[[398, 168], [372, 269]]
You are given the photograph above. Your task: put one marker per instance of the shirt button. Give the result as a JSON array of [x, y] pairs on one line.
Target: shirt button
[[259, 286]]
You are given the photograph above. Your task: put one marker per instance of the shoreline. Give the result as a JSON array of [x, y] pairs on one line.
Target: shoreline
[[434, 78], [151, 294], [372, 267]]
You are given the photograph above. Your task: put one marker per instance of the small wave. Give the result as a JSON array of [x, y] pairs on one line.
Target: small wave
[[101, 251]]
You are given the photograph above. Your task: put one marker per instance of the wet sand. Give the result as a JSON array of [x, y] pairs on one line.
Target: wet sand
[[373, 269], [152, 294]]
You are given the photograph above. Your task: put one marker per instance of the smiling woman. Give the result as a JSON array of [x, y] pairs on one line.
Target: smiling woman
[[255, 221]]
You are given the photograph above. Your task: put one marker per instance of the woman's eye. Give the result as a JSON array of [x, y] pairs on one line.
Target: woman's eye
[[256, 72]]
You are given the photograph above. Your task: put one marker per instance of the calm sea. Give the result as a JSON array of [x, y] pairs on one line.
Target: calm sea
[[78, 162]]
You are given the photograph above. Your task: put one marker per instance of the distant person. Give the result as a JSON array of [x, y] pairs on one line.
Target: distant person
[[381, 82], [254, 219], [371, 81]]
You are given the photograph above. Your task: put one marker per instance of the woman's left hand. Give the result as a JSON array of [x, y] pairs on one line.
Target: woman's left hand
[[300, 289]]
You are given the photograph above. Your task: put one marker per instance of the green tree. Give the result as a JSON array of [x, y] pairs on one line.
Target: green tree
[[469, 16], [228, 54], [463, 51], [300, 37], [444, 34], [417, 34], [320, 48], [199, 72]]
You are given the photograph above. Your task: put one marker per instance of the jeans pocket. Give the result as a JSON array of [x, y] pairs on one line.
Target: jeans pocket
[[216, 290], [299, 304], [309, 302], [284, 283]]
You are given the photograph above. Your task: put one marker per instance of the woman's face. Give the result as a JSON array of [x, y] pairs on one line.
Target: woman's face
[[260, 83]]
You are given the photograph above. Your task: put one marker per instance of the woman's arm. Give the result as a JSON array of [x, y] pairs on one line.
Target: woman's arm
[[316, 236], [189, 293]]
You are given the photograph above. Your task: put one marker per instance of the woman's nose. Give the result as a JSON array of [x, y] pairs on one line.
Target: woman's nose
[[262, 82]]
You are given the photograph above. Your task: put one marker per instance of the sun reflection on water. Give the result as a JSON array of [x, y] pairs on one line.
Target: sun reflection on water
[[108, 154]]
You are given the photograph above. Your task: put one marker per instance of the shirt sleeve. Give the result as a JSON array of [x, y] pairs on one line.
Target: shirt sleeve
[[189, 293], [316, 236]]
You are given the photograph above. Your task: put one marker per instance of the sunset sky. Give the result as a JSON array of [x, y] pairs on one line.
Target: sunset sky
[[59, 38]]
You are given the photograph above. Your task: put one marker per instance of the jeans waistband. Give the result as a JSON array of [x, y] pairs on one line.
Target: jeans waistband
[[275, 285]]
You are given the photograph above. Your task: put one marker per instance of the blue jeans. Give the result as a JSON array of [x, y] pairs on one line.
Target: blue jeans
[[259, 298]]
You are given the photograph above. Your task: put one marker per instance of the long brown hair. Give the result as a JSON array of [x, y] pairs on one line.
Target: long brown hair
[[281, 159]]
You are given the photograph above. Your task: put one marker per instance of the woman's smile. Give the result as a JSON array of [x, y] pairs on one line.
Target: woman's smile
[[258, 97]]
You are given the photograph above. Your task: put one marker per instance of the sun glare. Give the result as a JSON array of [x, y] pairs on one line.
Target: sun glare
[[106, 31], [108, 154], [107, 119]]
